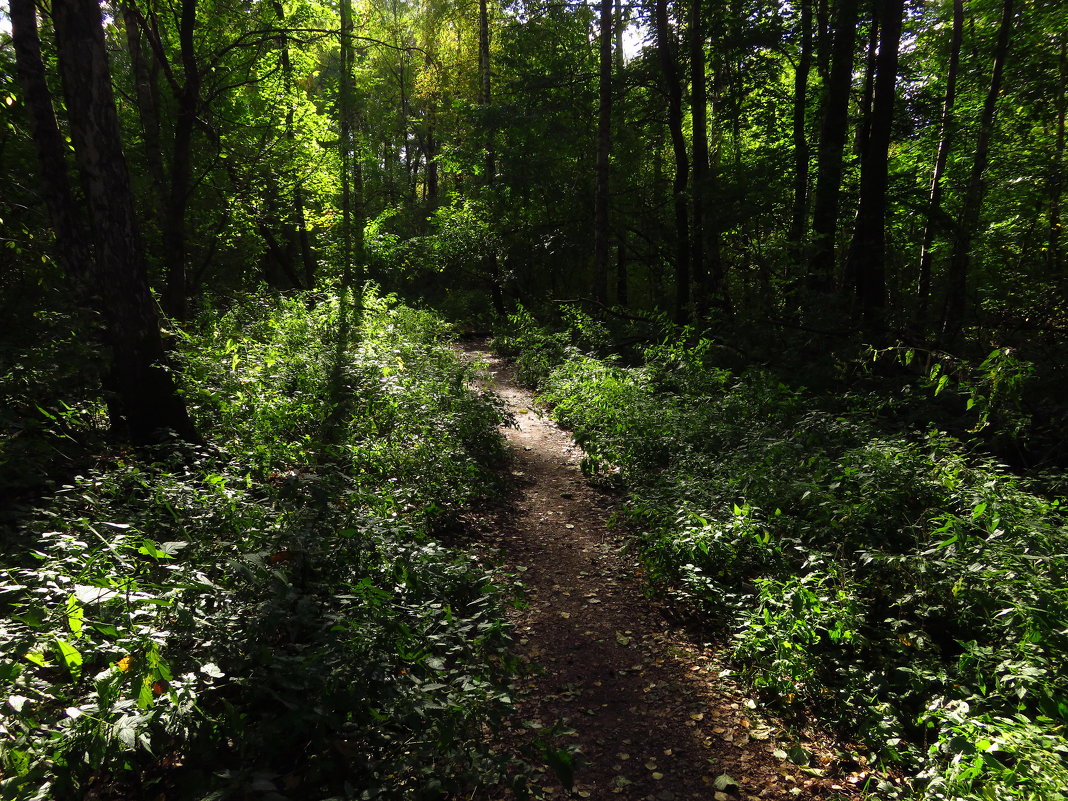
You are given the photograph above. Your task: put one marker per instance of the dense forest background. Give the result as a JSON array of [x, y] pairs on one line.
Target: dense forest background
[[828, 222]]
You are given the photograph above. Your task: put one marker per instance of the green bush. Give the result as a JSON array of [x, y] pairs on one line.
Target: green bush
[[879, 577], [268, 614]]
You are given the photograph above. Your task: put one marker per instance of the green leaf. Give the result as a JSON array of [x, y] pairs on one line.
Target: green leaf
[[71, 657], [75, 616], [149, 548]]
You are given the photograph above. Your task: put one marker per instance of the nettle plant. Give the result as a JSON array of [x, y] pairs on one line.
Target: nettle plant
[[268, 614], [909, 592]]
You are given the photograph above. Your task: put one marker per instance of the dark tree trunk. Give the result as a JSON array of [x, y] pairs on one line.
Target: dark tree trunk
[[833, 133], [431, 167], [147, 93], [147, 396], [1056, 181], [299, 227], [706, 266], [823, 40], [801, 149], [863, 132], [175, 290], [666, 45], [866, 263], [345, 142], [945, 142], [493, 268], [960, 261], [72, 248], [601, 232], [622, 289]]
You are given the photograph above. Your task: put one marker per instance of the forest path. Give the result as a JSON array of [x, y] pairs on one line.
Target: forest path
[[653, 718]]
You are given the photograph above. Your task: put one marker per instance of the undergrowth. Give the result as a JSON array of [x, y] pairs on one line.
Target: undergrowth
[[897, 586], [268, 616]]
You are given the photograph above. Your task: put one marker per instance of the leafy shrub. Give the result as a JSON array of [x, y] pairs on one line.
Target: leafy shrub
[[880, 577], [269, 614]]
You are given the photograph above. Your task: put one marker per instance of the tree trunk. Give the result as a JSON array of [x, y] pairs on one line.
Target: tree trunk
[[945, 141], [601, 231], [148, 399], [866, 262], [833, 132], [801, 149], [1056, 181], [666, 45], [493, 269], [345, 141], [72, 249], [823, 41], [175, 290], [871, 58], [704, 277], [147, 105], [299, 225], [956, 292]]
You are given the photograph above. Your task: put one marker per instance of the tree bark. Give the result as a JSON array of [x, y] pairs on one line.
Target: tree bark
[[1056, 181], [801, 149], [72, 248], [960, 261], [149, 403], [945, 143], [833, 133], [666, 45], [601, 233], [706, 266], [866, 263], [345, 141], [871, 57], [175, 289], [299, 225], [493, 268]]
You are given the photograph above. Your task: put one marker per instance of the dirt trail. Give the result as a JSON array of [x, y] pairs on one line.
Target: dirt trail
[[652, 716]]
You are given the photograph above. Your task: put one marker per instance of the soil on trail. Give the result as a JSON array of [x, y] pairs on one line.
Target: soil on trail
[[651, 714]]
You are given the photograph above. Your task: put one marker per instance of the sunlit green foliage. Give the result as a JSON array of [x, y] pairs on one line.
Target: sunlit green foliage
[[910, 593], [267, 614]]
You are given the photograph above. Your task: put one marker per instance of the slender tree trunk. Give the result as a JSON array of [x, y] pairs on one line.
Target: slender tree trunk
[[666, 45], [175, 290], [601, 232], [493, 269], [345, 142], [147, 104], [148, 398], [824, 36], [622, 288], [866, 262], [863, 132], [299, 225], [704, 278], [960, 261], [1056, 181], [801, 149], [72, 249], [945, 143], [833, 132]]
